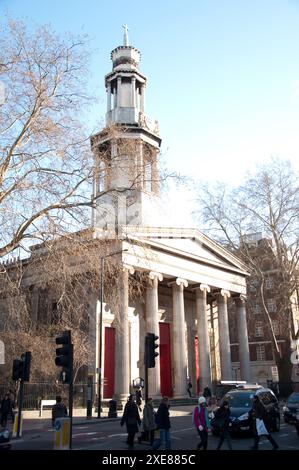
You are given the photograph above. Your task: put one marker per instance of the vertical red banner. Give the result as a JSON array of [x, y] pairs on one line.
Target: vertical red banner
[[109, 362], [165, 359]]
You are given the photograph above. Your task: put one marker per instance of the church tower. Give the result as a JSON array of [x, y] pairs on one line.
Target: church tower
[[126, 180]]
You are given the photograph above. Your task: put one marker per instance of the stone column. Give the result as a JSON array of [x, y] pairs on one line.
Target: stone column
[[118, 91], [108, 97], [203, 336], [142, 98], [179, 338], [122, 362], [191, 354], [152, 326], [224, 341], [244, 357], [133, 92], [114, 97]]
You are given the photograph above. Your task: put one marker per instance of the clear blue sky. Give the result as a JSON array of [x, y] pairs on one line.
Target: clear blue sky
[[223, 74]]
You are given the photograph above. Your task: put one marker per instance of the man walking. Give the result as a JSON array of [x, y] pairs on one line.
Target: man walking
[[59, 410], [261, 425]]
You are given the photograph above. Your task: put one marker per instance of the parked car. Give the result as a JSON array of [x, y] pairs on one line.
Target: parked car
[[240, 402], [291, 408], [226, 385], [5, 439]]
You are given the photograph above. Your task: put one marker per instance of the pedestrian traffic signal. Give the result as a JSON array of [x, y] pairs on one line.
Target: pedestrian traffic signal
[[17, 369], [64, 356], [151, 346], [26, 358]]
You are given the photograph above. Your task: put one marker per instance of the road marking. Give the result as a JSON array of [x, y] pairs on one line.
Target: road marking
[[116, 435], [182, 430]]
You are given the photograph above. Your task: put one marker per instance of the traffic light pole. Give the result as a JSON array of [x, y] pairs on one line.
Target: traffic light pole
[[100, 339], [21, 397], [146, 369], [71, 394]]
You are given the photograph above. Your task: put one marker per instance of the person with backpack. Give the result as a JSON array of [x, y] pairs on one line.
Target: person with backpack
[[222, 417], [201, 422]]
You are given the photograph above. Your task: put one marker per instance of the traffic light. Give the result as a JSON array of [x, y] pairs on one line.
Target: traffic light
[[17, 369], [26, 358], [151, 346], [64, 356]]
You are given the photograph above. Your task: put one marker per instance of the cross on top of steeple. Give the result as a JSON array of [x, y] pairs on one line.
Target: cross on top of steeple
[[126, 36]]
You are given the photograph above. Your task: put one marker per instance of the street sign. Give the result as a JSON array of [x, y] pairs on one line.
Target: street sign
[[274, 373]]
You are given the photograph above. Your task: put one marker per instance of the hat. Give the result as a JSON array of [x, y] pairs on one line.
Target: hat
[[201, 400]]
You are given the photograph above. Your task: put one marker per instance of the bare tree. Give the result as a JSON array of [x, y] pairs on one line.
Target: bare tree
[[45, 162], [267, 202]]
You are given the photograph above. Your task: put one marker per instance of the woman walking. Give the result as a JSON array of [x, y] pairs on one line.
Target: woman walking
[[222, 417], [202, 422], [132, 419], [149, 424]]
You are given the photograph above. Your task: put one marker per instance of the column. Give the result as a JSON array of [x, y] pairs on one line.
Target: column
[[203, 336], [179, 338], [122, 362], [152, 326], [114, 97], [191, 353], [224, 341], [133, 92], [108, 97], [118, 91], [244, 356], [142, 98]]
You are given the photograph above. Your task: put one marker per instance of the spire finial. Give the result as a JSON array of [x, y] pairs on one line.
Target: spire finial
[[126, 36]]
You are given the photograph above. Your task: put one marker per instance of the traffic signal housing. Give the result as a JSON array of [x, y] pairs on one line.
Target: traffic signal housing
[[26, 358], [17, 369], [64, 356], [151, 349]]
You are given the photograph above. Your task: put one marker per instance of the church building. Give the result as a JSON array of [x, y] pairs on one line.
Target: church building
[[189, 279]]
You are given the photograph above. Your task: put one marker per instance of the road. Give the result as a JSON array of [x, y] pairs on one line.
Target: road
[[109, 435]]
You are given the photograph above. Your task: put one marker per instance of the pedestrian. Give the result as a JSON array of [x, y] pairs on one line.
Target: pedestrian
[[132, 420], [149, 424], [201, 422], [59, 410], [189, 386], [222, 417], [139, 398], [261, 424], [6, 409], [163, 424]]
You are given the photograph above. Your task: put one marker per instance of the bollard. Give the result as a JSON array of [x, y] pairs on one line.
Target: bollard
[[62, 428], [112, 409]]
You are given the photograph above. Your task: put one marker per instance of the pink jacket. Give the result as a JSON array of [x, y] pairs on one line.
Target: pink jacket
[[198, 421]]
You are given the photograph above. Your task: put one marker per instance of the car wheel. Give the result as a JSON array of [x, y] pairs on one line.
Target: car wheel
[[276, 425]]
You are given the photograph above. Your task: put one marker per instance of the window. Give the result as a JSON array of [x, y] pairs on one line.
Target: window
[[271, 305], [254, 285], [260, 352], [259, 328], [256, 309], [269, 284], [275, 324]]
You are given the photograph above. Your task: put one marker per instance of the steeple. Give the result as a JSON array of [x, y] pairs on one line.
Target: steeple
[[126, 150]]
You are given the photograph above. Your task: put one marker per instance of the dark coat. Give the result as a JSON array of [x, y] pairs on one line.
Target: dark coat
[[259, 411], [131, 417], [162, 417], [222, 417], [6, 406], [59, 410]]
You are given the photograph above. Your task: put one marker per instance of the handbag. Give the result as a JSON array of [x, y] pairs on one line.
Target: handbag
[[261, 428]]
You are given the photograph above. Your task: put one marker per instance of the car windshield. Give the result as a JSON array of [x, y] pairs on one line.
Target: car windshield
[[239, 400], [294, 398]]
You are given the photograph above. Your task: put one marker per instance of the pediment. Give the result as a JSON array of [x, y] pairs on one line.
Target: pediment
[[189, 243]]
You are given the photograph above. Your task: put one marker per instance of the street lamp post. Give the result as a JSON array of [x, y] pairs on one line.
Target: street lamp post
[[101, 327]]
